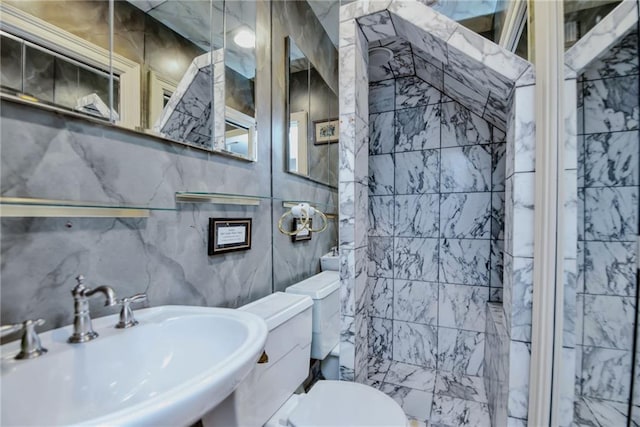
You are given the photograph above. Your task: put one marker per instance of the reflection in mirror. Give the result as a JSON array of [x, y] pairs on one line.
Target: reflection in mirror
[[177, 64], [59, 59], [240, 77], [312, 149]]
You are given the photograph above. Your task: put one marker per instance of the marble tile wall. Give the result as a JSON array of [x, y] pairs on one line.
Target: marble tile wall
[[608, 182], [435, 226], [413, 253]]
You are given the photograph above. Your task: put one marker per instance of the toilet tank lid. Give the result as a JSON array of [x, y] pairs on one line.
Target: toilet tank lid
[[278, 307], [319, 286]]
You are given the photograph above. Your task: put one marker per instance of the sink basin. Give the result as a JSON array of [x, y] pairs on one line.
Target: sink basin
[[174, 366], [330, 262]]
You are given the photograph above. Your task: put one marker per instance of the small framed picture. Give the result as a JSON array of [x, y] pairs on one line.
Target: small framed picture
[[304, 234], [229, 234], [326, 131]]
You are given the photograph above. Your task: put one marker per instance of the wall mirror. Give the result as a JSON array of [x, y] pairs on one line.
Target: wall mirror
[[155, 75], [312, 145]]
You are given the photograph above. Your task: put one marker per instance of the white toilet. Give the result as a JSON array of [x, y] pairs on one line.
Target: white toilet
[[300, 327]]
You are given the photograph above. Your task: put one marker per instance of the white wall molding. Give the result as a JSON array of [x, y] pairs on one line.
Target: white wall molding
[[548, 254]]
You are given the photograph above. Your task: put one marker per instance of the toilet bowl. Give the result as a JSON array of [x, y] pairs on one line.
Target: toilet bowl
[[267, 396]]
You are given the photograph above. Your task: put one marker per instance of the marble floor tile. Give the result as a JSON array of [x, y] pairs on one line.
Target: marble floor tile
[[415, 403], [451, 411], [461, 386], [411, 376]]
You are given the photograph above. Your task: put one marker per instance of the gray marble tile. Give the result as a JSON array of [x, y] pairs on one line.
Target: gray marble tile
[[611, 159], [598, 412], [460, 351], [523, 193], [382, 96], [451, 411], [381, 215], [402, 63], [411, 376], [608, 321], [620, 60], [415, 343], [498, 166], [462, 307], [610, 29], [416, 259], [611, 104], [413, 92], [461, 386], [497, 263], [410, 19], [378, 368], [611, 213], [417, 128], [465, 215], [427, 71], [521, 299], [381, 339], [415, 301], [381, 179], [377, 26], [381, 134], [347, 348], [605, 373], [417, 215], [417, 172], [610, 268], [380, 257], [473, 100], [414, 403], [462, 127], [518, 395], [466, 169], [464, 261], [497, 215], [381, 297]]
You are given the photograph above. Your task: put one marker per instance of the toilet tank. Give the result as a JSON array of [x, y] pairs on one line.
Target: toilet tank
[[272, 382], [323, 289]]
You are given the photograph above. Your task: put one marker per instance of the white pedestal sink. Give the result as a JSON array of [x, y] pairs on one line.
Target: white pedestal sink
[[174, 366]]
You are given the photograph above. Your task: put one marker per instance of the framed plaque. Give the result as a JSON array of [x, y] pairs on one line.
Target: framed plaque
[[229, 234]]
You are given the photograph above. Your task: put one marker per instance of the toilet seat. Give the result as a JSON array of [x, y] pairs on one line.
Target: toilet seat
[[341, 403]]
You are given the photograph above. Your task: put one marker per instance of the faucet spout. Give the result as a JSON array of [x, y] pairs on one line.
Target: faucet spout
[[107, 291]]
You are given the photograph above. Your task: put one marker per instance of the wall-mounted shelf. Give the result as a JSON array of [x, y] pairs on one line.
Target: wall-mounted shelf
[[219, 198], [13, 207]]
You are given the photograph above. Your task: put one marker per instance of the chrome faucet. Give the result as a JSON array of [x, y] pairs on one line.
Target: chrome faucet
[[82, 329]]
